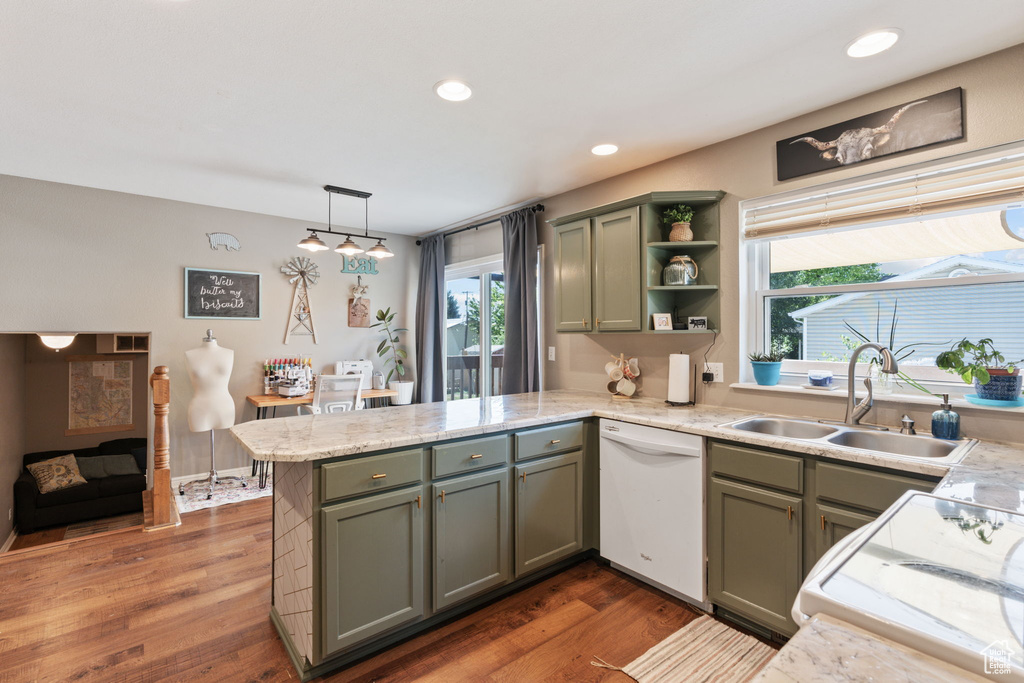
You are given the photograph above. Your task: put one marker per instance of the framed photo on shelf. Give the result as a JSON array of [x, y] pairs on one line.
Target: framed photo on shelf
[[662, 321], [697, 322]]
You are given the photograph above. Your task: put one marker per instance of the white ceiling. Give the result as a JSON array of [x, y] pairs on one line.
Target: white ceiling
[[256, 104]]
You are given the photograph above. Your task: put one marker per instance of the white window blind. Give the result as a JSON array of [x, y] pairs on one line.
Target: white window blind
[[959, 183]]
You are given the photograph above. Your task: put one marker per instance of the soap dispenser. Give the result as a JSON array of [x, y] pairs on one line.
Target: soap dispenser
[[946, 423]]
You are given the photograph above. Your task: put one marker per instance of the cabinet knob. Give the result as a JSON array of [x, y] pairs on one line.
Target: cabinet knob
[[442, 496], [476, 457], [789, 512], [584, 322], [597, 322], [379, 476], [554, 441], [523, 477], [419, 502], [823, 522]]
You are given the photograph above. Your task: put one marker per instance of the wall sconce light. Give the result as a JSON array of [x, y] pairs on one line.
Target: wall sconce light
[[349, 247], [56, 341]]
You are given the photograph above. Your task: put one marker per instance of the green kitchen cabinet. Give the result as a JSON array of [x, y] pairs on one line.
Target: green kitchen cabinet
[[834, 524], [549, 511], [617, 278], [471, 536], [573, 268], [372, 564], [754, 551]]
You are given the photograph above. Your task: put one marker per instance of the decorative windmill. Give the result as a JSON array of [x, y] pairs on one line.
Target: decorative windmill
[[304, 275]]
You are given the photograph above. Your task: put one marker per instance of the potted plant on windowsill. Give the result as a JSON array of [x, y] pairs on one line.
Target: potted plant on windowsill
[[768, 365], [394, 356], [979, 363], [679, 217]]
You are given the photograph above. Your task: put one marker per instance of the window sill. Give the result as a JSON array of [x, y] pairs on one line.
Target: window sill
[[840, 393]]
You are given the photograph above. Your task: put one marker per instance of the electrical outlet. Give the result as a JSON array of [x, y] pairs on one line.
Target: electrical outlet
[[551, 353], [717, 370]]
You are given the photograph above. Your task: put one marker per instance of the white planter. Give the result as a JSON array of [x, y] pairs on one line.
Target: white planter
[[404, 390]]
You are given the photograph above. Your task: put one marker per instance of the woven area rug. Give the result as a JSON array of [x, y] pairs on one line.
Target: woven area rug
[[703, 651], [226, 492], [100, 526]]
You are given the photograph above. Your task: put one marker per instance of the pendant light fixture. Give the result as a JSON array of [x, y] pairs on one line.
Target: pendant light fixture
[[349, 247], [57, 341]]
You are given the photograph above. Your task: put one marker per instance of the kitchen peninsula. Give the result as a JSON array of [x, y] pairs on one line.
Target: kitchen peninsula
[[331, 502]]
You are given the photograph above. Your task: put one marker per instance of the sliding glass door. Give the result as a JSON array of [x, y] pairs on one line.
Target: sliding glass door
[[475, 335]]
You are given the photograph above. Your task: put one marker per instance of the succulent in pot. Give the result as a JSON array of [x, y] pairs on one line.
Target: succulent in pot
[[981, 364], [767, 365], [679, 217]]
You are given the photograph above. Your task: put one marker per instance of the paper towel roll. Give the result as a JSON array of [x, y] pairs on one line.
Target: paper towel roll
[[679, 378]]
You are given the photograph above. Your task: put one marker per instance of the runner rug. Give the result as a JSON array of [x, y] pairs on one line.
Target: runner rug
[[703, 651]]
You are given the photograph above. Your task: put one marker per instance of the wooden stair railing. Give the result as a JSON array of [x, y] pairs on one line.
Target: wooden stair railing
[[160, 508]]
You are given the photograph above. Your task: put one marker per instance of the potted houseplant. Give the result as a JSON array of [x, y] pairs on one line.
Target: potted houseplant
[[394, 358], [768, 365], [981, 364], [679, 217]]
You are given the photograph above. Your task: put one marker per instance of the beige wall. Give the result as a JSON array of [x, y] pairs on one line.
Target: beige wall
[[46, 395], [86, 260], [744, 167], [12, 427]]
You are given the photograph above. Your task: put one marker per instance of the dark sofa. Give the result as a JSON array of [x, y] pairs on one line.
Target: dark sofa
[[115, 495]]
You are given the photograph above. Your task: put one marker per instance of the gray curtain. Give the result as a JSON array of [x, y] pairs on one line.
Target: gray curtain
[[430, 321], [521, 372]]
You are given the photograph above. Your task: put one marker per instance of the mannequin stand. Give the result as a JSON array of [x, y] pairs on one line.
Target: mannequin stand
[[213, 478]]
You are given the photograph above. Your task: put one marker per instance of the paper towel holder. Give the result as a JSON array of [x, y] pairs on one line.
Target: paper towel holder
[[693, 392]]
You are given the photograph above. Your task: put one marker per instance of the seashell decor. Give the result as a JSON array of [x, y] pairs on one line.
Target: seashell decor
[[624, 376]]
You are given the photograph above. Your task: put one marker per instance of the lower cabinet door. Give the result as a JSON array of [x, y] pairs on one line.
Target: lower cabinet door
[[549, 511], [471, 536], [754, 552], [834, 525], [372, 569]]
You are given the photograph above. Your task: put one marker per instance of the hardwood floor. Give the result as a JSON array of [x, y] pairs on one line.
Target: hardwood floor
[[191, 603]]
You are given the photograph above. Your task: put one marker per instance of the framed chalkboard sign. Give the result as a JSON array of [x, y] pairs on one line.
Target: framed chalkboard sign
[[222, 294]]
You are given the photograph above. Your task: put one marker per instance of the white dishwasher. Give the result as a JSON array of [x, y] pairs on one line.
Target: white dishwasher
[[652, 507]]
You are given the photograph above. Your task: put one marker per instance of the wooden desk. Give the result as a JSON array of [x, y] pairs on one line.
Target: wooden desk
[[374, 397]]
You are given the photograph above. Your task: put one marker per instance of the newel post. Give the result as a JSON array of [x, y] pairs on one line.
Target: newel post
[[160, 507]]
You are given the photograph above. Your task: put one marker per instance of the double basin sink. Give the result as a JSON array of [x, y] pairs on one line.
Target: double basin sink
[[862, 439]]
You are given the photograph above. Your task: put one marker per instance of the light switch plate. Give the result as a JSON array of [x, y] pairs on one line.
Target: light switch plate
[[718, 371], [551, 353]]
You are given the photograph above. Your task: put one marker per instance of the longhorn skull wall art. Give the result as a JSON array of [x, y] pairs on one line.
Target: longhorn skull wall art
[[920, 122]]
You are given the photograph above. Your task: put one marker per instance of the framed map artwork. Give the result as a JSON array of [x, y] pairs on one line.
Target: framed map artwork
[[99, 395]]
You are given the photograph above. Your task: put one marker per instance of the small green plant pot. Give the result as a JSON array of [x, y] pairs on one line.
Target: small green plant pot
[[766, 374]]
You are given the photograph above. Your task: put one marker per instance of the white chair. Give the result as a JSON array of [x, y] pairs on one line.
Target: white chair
[[334, 394]]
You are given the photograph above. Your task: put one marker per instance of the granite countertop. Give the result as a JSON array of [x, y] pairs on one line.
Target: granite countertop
[[990, 474]]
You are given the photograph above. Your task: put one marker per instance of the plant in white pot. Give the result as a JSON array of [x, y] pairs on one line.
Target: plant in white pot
[[394, 357]]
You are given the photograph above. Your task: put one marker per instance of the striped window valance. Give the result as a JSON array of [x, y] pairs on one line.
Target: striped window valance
[[969, 181]]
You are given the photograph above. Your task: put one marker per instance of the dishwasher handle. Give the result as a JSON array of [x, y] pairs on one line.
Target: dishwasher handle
[[657, 448]]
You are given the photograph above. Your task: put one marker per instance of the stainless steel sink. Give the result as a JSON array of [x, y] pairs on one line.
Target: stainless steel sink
[[861, 439], [896, 444], [780, 426]]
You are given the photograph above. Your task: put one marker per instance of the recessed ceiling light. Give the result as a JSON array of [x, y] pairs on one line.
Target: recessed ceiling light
[[604, 150], [873, 43], [454, 91]]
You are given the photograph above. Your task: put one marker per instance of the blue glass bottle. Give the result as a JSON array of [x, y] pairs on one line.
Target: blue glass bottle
[[946, 423]]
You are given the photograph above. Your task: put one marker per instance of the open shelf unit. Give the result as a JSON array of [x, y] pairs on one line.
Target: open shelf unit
[[700, 299]]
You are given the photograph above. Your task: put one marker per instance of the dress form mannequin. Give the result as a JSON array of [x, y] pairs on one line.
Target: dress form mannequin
[[209, 368]]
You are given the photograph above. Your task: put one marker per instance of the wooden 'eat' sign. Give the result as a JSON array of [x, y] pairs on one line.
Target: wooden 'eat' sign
[[222, 294]]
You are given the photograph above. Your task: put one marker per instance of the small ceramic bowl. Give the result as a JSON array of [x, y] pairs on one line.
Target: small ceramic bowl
[[819, 378]]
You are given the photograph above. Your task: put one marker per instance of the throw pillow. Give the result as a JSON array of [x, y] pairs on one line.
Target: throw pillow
[[100, 466], [56, 474]]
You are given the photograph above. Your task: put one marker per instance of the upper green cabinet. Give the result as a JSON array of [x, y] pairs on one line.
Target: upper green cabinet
[[609, 262], [573, 256], [617, 271]]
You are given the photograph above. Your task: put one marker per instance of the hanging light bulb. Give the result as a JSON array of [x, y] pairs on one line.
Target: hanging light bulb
[[348, 247], [313, 243], [380, 251]]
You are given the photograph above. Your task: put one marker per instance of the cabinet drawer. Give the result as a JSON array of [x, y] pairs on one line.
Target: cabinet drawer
[[548, 440], [760, 467], [366, 475], [865, 489], [467, 456]]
